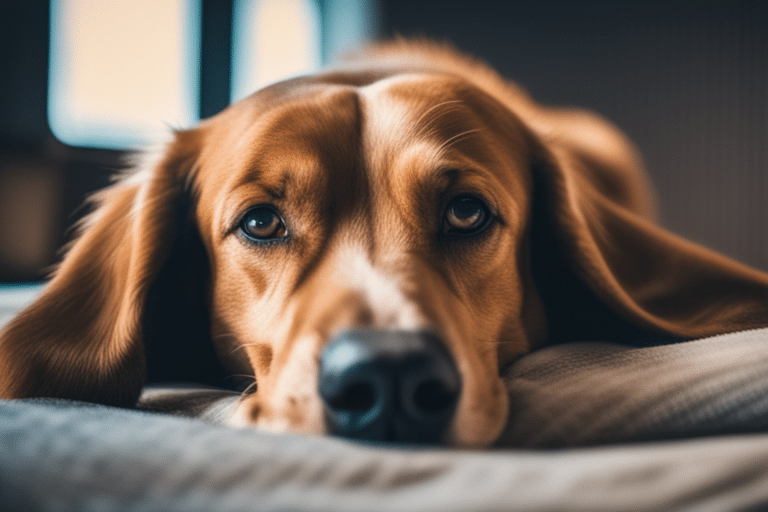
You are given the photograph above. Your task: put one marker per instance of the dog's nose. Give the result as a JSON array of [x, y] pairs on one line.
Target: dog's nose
[[388, 386]]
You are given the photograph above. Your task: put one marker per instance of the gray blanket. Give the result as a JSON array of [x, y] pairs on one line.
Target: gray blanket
[[585, 394], [593, 427], [62, 457]]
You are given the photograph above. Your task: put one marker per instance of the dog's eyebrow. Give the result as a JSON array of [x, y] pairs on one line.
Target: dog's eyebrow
[[448, 175], [248, 192], [278, 190], [275, 188]]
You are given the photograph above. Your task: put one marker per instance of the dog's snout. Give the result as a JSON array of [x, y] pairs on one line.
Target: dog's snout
[[388, 385]]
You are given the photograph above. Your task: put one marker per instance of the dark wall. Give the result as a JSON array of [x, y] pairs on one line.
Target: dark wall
[[686, 80]]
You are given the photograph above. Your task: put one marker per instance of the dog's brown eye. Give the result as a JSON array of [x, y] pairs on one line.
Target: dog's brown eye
[[263, 223], [466, 215]]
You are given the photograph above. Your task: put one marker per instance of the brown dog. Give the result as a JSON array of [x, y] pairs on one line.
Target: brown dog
[[371, 245]]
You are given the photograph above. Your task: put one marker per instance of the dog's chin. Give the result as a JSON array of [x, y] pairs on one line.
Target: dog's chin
[[478, 422], [251, 412]]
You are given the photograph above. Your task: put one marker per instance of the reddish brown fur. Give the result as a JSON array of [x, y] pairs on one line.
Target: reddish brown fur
[[361, 161]]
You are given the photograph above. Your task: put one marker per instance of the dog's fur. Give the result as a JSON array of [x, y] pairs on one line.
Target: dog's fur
[[361, 161]]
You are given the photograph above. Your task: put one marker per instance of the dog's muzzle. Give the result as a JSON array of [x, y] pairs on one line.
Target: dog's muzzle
[[388, 386]]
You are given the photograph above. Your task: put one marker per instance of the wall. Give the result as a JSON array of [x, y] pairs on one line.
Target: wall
[[688, 81]]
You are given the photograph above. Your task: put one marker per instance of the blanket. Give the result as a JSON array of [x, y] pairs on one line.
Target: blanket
[[57, 456], [593, 426]]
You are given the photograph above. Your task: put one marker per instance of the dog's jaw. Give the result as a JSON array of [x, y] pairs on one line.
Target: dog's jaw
[[288, 402], [356, 294]]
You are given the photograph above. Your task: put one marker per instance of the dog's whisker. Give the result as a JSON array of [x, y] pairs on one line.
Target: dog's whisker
[[242, 375], [242, 346], [435, 107], [430, 126], [456, 138], [232, 337], [248, 391]]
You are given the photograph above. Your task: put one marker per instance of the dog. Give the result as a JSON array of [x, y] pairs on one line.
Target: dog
[[370, 246]]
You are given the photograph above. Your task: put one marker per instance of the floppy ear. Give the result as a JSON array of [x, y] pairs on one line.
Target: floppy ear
[[83, 338], [604, 269]]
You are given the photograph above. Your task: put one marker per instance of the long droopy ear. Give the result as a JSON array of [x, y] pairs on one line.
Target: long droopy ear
[[82, 339], [605, 269]]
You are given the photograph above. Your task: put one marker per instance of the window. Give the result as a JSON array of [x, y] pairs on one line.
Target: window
[[273, 40], [123, 72]]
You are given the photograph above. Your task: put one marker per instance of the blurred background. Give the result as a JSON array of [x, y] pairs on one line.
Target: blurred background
[[84, 81]]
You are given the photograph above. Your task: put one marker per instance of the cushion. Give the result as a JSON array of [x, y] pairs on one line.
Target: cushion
[[584, 394], [592, 426], [60, 456]]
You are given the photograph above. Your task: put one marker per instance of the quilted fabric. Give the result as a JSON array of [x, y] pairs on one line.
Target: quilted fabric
[[60, 456], [595, 393], [583, 394]]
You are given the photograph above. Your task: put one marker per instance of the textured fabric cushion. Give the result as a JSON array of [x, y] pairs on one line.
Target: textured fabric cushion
[[59, 456], [583, 394]]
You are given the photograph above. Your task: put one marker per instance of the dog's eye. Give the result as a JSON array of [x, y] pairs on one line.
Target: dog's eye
[[263, 223], [466, 215]]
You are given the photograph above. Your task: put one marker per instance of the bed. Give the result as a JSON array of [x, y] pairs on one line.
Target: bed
[[594, 426]]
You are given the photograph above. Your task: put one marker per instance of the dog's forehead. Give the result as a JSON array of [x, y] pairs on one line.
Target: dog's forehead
[[276, 139], [329, 115], [310, 135], [423, 130], [308, 110], [439, 119], [309, 118]]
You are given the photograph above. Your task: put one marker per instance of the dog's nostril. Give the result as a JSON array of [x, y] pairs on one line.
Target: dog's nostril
[[355, 397], [432, 396], [388, 385]]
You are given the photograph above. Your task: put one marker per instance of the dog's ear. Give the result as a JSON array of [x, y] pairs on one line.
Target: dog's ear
[[83, 337], [605, 269]]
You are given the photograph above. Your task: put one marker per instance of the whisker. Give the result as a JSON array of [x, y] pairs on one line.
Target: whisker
[[456, 138], [434, 107], [430, 126], [241, 346], [248, 391], [220, 336], [236, 347], [240, 375]]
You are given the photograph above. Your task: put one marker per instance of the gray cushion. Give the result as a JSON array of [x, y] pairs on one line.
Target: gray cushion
[[62, 455], [57, 456], [585, 394]]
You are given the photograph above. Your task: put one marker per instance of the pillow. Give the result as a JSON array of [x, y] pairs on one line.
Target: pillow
[[579, 394], [583, 394], [57, 456]]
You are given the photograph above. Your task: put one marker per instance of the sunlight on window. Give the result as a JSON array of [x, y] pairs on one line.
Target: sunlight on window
[[349, 24], [273, 40], [122, 72]]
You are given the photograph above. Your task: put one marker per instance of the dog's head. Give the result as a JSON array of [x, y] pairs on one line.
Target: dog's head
[[399, 206], [370, 246]]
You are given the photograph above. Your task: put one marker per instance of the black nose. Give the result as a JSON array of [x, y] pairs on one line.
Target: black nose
[[388, 386]]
